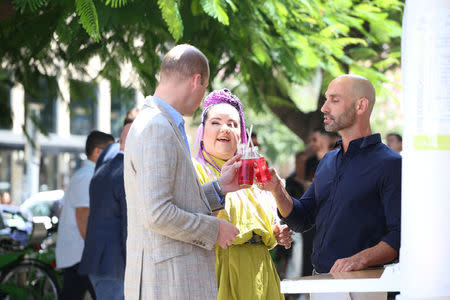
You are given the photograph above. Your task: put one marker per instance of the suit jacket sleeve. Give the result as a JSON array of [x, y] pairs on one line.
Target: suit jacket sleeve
[[119, 195], [212, 196], [156, 171]]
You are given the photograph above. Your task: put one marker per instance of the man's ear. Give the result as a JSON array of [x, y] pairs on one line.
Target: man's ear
[[196, 80], [97, 151], [362, 105]]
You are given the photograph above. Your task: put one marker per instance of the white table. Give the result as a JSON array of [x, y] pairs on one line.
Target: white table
[[372, 280]]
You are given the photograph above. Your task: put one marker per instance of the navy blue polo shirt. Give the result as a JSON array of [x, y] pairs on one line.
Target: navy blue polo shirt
[[354, 202]]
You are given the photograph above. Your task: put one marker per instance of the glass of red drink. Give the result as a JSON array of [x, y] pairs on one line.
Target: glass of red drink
[[262, 173], [246, 172]]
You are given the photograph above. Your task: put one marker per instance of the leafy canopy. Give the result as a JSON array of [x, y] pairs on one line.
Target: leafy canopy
[[267, 45]]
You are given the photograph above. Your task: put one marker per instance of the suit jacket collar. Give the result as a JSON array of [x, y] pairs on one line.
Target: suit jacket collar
[[149, 101], [175, 114]]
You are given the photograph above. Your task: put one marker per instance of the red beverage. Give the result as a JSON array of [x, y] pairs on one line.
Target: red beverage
[[262, 173], [246, 172]]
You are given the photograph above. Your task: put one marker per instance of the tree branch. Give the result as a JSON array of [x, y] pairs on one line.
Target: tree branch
[[299, 122]]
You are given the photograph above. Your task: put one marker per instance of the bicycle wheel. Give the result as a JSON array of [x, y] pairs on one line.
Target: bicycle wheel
[[29, 280]]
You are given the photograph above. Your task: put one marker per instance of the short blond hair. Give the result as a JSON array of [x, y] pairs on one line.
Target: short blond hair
[[183, 61]]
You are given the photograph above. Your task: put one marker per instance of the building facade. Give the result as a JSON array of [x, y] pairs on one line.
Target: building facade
[[69, 108]]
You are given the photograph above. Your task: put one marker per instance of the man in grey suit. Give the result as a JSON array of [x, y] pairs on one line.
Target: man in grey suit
[[171, 229]]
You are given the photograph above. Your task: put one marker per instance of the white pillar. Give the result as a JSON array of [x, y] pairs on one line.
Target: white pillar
[[17, 182], [104, 106], [18, 108], [140, 99], [32, 151], [18, 120], [62, 105], [425, 244]]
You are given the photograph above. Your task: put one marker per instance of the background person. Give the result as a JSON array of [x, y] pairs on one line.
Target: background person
[[111, 150], [311, 150], [74, 217], [6, 198], [321, 142], [395, 141], [254, 138], [292, 261], [296, 183], [104, 251]]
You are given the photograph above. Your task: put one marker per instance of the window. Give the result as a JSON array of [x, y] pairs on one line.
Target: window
[[83, 107], [45, 92], [122, 100], [5, 106], [5, 170], [48, 172]]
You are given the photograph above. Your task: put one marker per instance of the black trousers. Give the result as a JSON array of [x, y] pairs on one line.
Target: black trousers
[[76, 285]]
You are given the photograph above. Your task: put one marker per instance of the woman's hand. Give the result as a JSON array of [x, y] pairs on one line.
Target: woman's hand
[[228, 180], [283, 235]]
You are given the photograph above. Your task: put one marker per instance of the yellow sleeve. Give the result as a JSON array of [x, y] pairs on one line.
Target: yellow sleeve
[[201, 172]]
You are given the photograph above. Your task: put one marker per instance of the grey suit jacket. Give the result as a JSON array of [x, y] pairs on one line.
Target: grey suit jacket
[[171, 232]]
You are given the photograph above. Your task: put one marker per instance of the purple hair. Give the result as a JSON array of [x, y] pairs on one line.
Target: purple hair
[[218, 97]]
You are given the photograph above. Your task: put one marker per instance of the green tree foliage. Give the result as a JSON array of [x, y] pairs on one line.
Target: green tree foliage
[[88, 17], [33, 5], [267, 46], [171, 14]]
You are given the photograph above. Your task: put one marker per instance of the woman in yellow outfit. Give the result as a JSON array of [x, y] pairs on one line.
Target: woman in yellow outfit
[[245, 269]]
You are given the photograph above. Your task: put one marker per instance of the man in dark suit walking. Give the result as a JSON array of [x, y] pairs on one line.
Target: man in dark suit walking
[[111, 150], [105, 245]]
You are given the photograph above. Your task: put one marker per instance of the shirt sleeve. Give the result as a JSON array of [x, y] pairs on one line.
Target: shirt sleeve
[[79, 193], [302, 216], [390, 192]]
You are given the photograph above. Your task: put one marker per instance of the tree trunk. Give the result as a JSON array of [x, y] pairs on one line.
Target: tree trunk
[[302, 124], [6, 9]]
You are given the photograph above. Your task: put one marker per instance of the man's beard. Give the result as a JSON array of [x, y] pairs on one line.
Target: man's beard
[[345, 120]]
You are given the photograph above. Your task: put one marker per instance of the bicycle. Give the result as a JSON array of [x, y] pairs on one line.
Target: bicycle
[[27, 265]]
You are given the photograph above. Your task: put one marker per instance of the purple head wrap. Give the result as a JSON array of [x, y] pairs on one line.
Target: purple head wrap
[[217, 97]]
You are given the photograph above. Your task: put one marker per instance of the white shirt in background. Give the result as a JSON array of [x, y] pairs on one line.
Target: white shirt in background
[[70, 244]]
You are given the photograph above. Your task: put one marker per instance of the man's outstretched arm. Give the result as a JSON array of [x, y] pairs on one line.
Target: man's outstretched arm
[[299, 215]]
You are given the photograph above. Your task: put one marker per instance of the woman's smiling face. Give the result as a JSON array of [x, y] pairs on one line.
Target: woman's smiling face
[[221, 128]]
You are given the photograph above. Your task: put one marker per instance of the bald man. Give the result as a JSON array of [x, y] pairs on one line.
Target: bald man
[[354, 200]]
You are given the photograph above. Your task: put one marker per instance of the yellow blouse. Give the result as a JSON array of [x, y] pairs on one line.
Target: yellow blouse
[[251, 210]]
